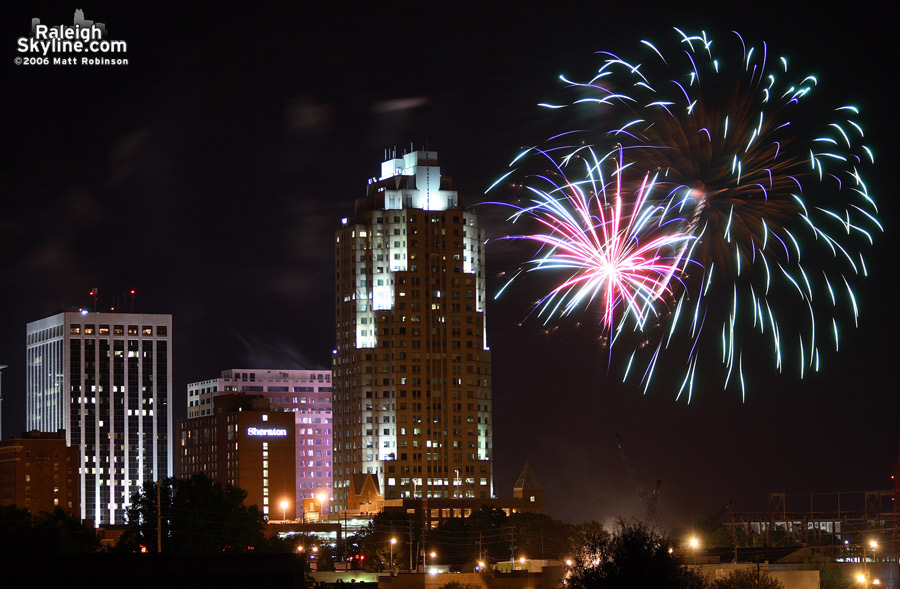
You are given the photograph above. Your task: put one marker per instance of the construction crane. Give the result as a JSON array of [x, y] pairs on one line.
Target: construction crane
[[648, 499]]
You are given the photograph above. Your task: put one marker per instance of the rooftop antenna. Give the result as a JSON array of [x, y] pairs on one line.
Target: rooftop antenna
[[131, 293], [95, 294]]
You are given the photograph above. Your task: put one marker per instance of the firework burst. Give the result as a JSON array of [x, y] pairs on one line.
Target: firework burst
[[772, 197], [612, 249]]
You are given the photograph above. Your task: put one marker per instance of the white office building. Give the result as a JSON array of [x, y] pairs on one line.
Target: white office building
[[106, 378]]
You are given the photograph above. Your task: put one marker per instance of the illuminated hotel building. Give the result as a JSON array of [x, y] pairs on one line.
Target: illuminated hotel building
[[248, 444], [411, 371], [304, 393], [106, 378]]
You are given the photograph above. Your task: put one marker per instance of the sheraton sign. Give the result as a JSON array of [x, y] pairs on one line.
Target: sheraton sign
[[270, 432]]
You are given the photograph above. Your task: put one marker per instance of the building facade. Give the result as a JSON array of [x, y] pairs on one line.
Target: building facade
[[411, 371], [245, 443], [40, 473], [106, 378], [306, 394]]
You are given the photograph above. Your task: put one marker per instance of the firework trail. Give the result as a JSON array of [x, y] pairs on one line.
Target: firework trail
[[617, 249], [773, 197]]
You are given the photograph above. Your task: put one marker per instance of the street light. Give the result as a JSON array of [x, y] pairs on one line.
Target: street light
[[284, 505], [865, 575], [322, 497], [393, 541]]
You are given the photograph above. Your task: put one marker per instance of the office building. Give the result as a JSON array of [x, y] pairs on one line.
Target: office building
[[106, 378], [411, 371], [39, 472], [306, 394], [245, 443]]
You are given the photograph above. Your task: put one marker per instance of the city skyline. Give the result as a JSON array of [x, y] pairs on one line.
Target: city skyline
[[225, 168]]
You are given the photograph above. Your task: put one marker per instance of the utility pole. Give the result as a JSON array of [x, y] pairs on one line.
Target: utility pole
[[2, 366], [410, 545], [346, 532], [158, 519]]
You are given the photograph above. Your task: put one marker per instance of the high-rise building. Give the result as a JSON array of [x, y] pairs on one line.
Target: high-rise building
[[245, 443], [411, 371], [305, 393], [106, 378]]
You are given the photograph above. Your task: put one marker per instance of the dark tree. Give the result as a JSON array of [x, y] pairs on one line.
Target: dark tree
[[199, 515], [56, 532], [374, 543], [66, 533], [489, 534], [488, 529], [541, 536], [451, 542], [747, 579], [830, 574], [633, 556]]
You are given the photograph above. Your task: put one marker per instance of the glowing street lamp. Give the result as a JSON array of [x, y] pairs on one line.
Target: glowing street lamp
[[284, 505], [864, 576], [393, 541], [322, 497]]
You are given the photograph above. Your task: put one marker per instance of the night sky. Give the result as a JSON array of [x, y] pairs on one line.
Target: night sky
[[210, 173]]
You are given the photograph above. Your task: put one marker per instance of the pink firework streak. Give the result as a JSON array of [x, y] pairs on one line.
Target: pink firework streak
[[624, 250]]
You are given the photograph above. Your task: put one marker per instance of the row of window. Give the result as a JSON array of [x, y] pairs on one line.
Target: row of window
[[146, 330]]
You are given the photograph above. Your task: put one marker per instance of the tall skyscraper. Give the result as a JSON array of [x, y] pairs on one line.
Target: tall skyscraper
[[411, 372], [106, 378]]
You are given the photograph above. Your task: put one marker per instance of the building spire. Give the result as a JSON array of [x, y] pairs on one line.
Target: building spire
[[527, 480]]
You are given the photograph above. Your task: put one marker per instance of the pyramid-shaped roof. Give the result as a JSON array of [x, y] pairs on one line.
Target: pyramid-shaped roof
[[527, 480]]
